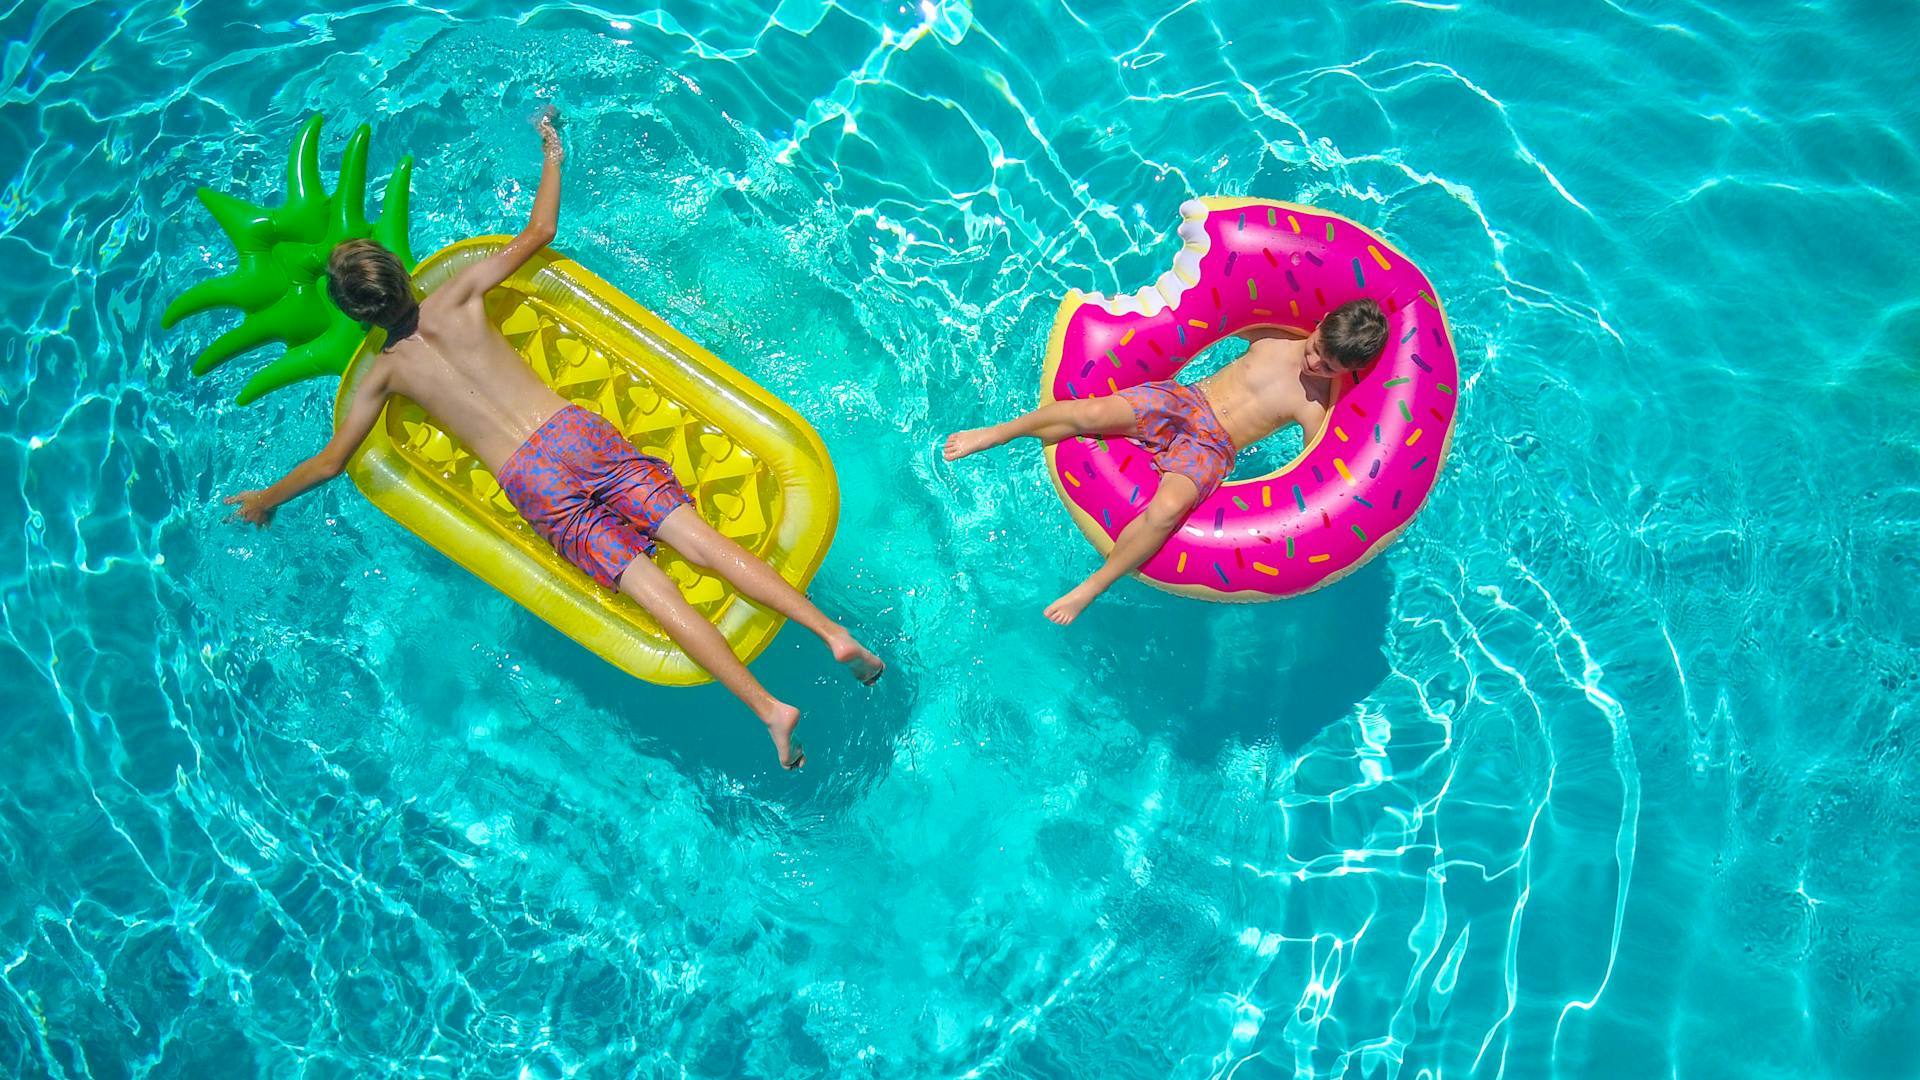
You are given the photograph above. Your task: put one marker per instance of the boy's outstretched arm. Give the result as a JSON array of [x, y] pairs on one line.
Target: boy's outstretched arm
[[475, 280], [257, 507]]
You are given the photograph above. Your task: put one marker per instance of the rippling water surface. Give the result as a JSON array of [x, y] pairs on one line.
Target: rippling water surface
[[1607, 769]]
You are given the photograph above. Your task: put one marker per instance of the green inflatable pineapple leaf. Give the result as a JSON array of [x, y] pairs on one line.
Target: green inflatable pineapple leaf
[[283, 260]]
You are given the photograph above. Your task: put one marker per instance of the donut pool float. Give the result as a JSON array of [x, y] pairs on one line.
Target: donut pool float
[[1248, 263]]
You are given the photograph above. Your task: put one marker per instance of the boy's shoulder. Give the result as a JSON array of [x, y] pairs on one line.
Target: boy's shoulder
[[450, 316]]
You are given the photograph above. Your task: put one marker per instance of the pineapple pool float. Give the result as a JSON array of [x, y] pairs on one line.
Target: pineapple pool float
[[755, 469]]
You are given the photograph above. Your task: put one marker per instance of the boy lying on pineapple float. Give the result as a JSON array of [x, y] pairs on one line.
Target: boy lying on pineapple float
[[583, 487]]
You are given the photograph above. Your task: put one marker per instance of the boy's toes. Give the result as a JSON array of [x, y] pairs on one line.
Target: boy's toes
[[962, 443], [1068, 608]]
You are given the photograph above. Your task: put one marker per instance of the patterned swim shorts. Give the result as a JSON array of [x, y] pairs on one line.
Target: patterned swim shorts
[[586, 490], [1175, 423]]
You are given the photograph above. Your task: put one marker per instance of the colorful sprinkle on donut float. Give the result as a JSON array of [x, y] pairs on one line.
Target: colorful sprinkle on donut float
[[1248, 263]]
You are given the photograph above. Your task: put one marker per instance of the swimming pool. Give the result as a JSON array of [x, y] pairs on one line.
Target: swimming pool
[[1606, 770]]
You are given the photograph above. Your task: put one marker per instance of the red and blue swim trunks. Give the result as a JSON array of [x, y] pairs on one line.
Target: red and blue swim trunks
[[1174, 422], [586, 490]]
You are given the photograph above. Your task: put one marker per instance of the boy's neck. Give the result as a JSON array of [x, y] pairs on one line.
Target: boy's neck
[[405, 328]]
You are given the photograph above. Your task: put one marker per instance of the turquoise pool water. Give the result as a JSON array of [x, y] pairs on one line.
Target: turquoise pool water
[[1608, 769]]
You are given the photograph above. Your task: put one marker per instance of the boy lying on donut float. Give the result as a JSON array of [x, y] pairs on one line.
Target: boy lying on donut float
[[1350, 342], [1195, 431]]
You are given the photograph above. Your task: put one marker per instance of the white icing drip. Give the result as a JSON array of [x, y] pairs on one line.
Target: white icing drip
[[1187, 265], [1170, 287], [1166, 292]]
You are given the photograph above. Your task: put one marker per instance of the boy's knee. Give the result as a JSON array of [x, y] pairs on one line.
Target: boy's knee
[[1170, 507], [697, 551], [1102, 412]]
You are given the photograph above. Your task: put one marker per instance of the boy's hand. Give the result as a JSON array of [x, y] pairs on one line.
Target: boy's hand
[[549, 136], [254, 508]]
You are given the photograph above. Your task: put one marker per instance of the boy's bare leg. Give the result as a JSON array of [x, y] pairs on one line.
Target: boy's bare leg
[[1135, 544], [701, 544], [652, 589], [1049, 424]]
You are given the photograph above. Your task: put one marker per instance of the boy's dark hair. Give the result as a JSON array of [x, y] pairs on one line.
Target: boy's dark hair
[[367, 282], [1353, 334]]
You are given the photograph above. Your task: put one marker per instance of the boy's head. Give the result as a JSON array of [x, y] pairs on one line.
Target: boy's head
[[367, 282], [1350, 337]]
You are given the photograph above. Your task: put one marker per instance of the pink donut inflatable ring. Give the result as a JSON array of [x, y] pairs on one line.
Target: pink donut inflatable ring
[[1248, 263]]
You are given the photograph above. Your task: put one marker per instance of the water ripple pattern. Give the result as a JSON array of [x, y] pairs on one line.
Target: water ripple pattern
[[1607, 769]]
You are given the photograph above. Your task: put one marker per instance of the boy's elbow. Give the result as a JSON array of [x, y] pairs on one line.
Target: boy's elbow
[[541, 233]]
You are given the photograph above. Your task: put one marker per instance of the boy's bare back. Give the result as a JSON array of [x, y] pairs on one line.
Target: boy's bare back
[[459, 368]]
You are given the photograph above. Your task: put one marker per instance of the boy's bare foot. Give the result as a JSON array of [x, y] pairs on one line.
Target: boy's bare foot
[[970, 441], [856, 658], [1068, 608], [781, 719]]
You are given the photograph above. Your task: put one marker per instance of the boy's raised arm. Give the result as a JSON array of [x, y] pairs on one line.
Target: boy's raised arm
[[475, 280]]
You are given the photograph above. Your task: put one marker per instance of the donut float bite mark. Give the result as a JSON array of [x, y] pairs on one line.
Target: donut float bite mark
[[1351, 495]]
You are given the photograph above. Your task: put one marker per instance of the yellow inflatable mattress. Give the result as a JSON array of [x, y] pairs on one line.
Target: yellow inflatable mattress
[[755, 469]]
